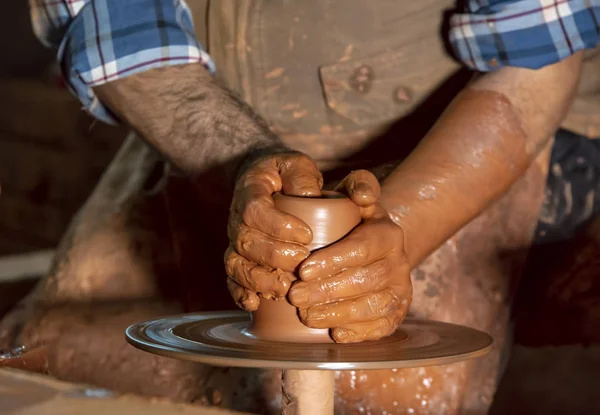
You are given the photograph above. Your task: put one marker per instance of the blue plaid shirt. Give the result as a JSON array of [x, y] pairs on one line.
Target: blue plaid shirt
[[523, 33], [100, 41]]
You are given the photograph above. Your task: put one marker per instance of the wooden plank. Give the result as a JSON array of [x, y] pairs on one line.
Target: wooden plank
[[25, 266], [23, 393]]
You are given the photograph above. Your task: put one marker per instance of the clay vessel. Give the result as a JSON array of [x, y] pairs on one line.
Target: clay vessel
[[330, 217]]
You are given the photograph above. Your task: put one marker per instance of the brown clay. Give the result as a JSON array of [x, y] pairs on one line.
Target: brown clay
[[330, 217]]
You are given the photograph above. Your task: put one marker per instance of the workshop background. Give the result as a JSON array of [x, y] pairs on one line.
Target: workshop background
[[52, 154]]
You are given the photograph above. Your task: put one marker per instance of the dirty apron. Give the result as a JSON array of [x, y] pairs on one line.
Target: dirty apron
[[328, 76]]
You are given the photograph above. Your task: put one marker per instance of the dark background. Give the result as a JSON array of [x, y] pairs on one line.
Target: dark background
[[51, 153]]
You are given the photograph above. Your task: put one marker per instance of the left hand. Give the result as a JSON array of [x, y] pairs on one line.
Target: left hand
[[360, 286]]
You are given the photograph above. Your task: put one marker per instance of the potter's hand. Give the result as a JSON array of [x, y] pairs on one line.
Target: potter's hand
[[266, 245], [360, 286]]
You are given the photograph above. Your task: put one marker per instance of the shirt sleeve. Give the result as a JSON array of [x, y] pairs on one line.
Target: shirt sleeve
[[100, 41], [523, 33]]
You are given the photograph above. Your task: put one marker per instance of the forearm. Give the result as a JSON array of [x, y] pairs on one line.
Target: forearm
[[480, 146], [195, 123]]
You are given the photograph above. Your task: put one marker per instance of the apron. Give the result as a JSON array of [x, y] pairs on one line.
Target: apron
[[336, 77], [328, 76]]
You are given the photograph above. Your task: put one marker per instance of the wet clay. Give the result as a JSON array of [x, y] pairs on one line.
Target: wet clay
[[330, 217]]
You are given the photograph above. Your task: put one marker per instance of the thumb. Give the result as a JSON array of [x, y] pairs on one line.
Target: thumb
[[300, 176], [362, 187]]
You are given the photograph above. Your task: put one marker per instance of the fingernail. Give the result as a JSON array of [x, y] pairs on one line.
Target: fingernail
[[299, 296], [343, 335], [361, 187], [303, 235], [309, 188], [308, 270], [363, 195]]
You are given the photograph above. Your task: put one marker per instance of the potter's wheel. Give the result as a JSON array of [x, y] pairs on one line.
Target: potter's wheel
[[221, 339]]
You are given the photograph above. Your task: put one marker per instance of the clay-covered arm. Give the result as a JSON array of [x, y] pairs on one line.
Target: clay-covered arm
[[189, 118], [480, 146]]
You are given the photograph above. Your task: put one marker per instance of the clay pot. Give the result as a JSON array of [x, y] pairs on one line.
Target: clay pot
[[331, 217]]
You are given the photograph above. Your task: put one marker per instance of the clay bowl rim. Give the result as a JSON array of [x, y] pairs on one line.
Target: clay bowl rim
[[328, 197]]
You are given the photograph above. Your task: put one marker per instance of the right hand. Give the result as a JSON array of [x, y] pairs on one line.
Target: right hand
[[266, 245]]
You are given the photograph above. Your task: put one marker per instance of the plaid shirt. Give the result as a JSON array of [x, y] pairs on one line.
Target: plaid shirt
[[100, 41], [523, 33], [103, 40]]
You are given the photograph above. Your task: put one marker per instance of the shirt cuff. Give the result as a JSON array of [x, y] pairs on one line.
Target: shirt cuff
[[523, 33], [113, 39]]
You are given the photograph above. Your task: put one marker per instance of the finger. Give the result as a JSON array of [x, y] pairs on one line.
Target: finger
[[258, 247], [267, 282], [300, 176], [257, 211], [350, 283], [366, 308], [244, 298], [370, 330], [365, 244], [295, 174], [362, 187]]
